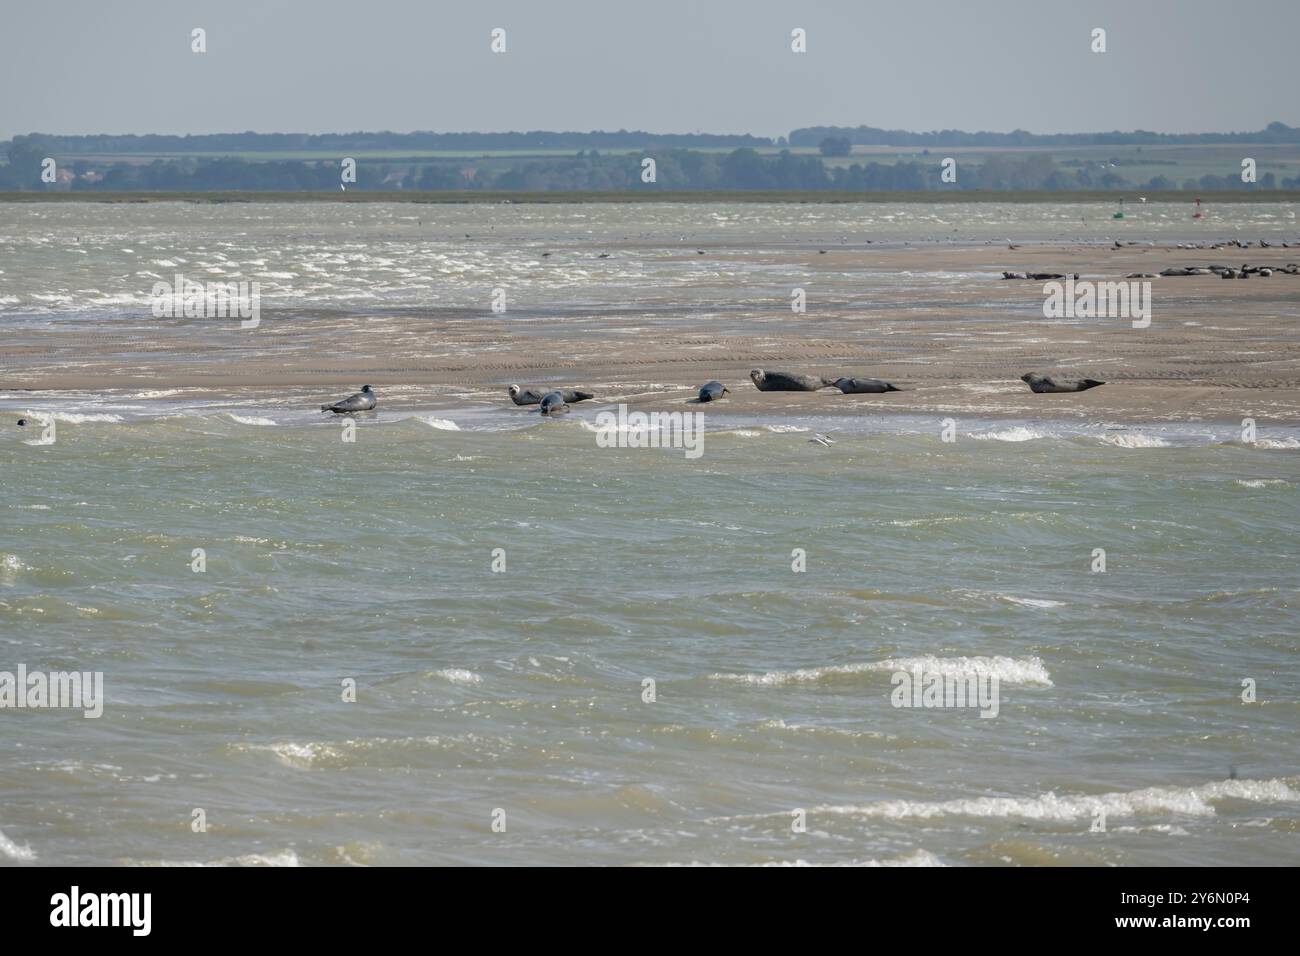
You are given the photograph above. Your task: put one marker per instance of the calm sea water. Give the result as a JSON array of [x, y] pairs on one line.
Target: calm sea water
[[522, 689]]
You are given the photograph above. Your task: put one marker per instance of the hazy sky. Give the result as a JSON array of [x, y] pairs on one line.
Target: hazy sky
[[125, 66]]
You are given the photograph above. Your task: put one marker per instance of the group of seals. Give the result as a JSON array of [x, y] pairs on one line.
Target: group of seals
[[1038, 276], [1247, 270], [531, 396], [766, 381], [554, 402]]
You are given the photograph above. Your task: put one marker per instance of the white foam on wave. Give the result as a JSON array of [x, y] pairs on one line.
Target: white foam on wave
[[1258, 482], [617, 428], [300, 755], [282, 858], [1275, 443], [915, 858], [1015, 433], [250, 419], [1029, 602], [457, 675], [1008, 670], [921, 522], [1012, 598], [803, 675], [826, 729], [77, 418], [1185, 801], [782, 429], [1134, 440], [10, 850], [445, 424]]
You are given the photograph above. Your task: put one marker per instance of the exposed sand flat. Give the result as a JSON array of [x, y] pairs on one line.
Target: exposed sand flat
[[1216, 349]]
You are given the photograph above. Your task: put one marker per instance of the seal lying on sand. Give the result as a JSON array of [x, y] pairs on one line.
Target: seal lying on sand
[[863, 386], [530, 396], [553, 403], [362, 401], [713, 391], [787, 381], [1045, 383], [524, 396]]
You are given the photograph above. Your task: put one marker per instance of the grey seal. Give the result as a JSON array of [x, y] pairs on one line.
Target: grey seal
[[1045, 383], [712, 391], [524, 396], [362, 401], [787, 381], [863, 386], [553, 403], [530, 396]]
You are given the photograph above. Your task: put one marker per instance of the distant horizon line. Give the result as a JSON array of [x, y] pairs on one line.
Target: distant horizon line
[[1275, 127]]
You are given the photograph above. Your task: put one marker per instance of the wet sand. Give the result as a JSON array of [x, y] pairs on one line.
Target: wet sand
[[1216, 350]]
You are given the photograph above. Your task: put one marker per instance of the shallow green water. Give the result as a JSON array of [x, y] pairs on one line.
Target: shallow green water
[[523, 689]]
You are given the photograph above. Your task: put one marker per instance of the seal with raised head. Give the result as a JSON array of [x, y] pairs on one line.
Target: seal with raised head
[[553, 403], [530, 396], [712, 391], [787, 381], [1045, 383], [362, 401], [524, 396], [864, 386]]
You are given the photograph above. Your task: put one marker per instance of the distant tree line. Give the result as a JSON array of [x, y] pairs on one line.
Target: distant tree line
[[361, 142], [814, 136], [871, 136], [588, 170]]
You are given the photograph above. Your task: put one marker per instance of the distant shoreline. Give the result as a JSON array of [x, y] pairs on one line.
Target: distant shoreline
[[1098, 197]]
